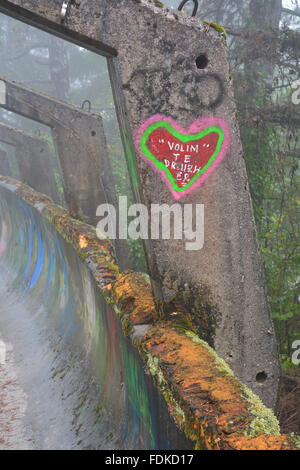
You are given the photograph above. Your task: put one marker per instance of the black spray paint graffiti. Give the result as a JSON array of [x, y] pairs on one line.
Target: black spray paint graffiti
[[214, 90], [199, 88], [152, 90]]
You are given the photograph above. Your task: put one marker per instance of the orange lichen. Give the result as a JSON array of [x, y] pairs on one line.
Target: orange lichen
[[133, 294], [82, 241], [218, 414], [262, 442]]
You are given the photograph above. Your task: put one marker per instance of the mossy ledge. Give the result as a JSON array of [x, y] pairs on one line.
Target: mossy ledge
[[213, 408], [217, 27]]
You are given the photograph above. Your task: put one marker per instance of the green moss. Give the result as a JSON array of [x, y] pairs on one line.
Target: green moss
[[217, 27], [180, 413], [82, 255], [145, 277], [154, 369], [108, 299], [183, 323], [152, 363], [221, 365], [125, 321], [156, 372], [113, 267], [127, 326], [158, 3], [225, 369], [295, 440], [264, 421]]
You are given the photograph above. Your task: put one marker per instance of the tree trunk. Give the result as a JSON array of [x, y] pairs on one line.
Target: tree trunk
[[265, 13], [59, 68]]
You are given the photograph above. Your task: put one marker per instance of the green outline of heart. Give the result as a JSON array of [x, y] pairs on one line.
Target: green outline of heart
[[183, 138]]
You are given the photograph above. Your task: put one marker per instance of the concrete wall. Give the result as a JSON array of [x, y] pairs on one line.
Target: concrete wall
[[171, 69], [84, 383], [82, 153], [4, 163], [33, 159]]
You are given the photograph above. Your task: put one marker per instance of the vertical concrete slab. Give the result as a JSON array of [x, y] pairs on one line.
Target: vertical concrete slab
[[33, 160], [4, 163], [80, 143], [172, 72]]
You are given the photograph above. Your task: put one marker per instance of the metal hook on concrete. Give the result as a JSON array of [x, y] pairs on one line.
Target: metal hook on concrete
[[87, 102], [196, 5]]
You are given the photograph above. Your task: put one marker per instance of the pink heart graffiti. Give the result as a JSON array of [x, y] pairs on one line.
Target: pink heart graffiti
[[183, 157]]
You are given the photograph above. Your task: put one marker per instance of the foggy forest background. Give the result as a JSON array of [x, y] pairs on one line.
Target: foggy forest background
[[263, 38]]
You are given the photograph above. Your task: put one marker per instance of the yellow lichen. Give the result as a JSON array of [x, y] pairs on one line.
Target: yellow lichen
[[264, 421]]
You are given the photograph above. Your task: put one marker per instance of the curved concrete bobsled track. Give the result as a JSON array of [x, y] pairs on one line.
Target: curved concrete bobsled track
[[86, 363], [76, 380]]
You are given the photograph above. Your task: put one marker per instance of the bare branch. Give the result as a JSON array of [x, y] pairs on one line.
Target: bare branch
[[291, 12]]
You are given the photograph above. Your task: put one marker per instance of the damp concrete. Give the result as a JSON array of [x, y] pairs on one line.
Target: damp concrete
[[32, 413], [13, 403]]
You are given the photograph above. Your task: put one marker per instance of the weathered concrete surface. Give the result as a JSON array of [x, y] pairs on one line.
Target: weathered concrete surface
[[13, 402], [80, 143], [80, 381], [216, 411], [224, 282], [33, 160], [70, 325], [156, 72], [4, 163]]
